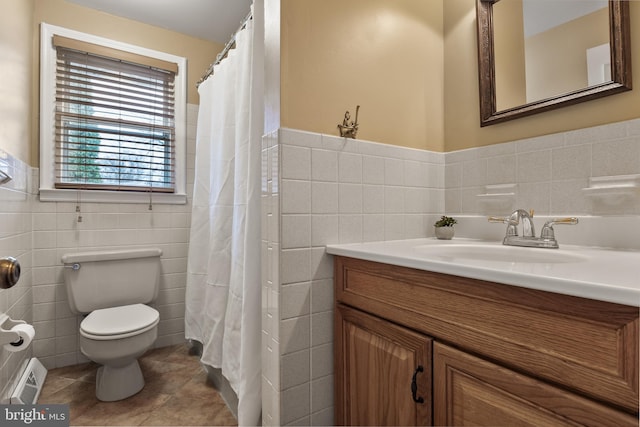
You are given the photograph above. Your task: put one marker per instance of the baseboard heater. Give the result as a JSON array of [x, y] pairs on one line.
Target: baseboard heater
[[30, 384]]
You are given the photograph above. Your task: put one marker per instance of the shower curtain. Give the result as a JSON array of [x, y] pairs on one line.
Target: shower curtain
[[222, 308]]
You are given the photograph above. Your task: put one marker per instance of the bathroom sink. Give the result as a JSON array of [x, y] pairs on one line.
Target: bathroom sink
[[494, 253], [587, 272]]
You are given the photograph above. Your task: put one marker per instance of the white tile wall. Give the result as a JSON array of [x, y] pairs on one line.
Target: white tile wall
[[56, 231], [16, 198], [296, 294], [337, 190], [317, 190], [38, 234], [549, 171], [333, 190]]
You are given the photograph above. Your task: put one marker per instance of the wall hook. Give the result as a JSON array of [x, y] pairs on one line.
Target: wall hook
[[349, 130]]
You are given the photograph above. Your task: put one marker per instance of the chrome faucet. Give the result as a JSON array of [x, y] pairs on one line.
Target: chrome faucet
[[528, 238]]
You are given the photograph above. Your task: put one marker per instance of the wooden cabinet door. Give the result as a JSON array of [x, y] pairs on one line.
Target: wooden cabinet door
[[469, 391], [376, 363]]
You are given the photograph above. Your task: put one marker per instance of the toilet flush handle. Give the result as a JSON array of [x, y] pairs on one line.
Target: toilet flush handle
[[75, 266]]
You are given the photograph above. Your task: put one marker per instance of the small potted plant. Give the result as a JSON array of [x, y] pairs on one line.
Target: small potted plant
[[444, 227]]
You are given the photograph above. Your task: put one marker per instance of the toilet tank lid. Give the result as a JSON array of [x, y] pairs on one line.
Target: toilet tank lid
[[111, 255]]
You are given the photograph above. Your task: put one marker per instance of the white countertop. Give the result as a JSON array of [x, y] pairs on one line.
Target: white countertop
[[595, 273]]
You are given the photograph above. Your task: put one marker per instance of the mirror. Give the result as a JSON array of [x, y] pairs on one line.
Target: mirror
[[523, 70]]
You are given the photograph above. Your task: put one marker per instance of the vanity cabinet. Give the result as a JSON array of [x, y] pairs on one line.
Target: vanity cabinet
[[492, 354], [381, 362], [471, 391]]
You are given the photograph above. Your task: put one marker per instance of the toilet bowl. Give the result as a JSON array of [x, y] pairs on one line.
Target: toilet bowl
[[115, 338], [113, 288]]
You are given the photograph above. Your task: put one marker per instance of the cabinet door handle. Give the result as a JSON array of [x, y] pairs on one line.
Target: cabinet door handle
[[414, 385]]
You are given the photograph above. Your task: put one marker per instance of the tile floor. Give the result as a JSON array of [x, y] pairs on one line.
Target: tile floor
[[176, 393]]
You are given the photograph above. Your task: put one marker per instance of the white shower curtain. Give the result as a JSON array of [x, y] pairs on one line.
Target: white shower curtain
[[222, 309]]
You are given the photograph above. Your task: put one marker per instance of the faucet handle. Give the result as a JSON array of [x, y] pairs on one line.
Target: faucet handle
[[511, 226], [514, 218], [547, 229], [569, 221], [498, 219]]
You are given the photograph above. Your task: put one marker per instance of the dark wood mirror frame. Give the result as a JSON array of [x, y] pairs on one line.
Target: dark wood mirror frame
[[620, 36]]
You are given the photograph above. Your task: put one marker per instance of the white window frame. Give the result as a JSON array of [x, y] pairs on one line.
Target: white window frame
[[47, 124]]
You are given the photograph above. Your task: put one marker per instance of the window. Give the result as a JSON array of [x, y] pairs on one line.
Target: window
[[112, 120]]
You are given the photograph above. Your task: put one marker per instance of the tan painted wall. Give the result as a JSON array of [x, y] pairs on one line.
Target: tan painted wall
[[199, 53], [509, 48], [15, 77], [272, 26], [420, 108], [386, 56], [462, 127], [561, 52], [336, 54]]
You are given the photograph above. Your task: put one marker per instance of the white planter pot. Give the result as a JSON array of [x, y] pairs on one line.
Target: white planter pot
[[445, 233]]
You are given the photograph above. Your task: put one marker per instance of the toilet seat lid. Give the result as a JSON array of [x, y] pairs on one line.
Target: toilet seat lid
[[119, 320]]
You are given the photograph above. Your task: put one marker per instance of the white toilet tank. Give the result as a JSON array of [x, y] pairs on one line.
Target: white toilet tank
[[103, 279]]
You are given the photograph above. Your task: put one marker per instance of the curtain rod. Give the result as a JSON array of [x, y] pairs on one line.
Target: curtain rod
[[230, 45]]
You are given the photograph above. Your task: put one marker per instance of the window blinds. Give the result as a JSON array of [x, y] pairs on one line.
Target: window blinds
[[114, 122]]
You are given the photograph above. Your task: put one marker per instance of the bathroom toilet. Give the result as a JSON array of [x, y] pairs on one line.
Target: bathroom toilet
[[113, 288]]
